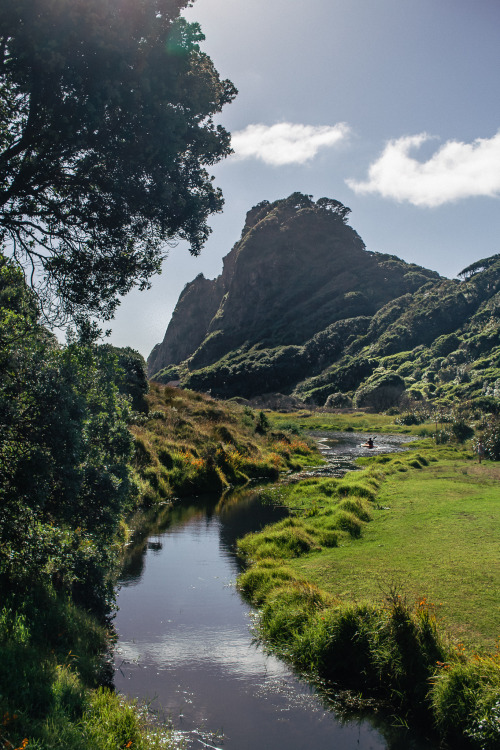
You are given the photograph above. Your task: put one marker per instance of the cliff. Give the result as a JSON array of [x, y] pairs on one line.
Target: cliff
[[297, 269]]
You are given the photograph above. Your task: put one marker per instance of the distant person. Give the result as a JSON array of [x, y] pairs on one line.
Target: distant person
[[369, 442], [480, 451]]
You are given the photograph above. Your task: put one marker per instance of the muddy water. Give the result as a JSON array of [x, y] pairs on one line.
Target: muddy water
[[185, 638]]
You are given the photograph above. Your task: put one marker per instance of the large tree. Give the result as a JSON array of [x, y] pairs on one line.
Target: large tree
[[106, 130]]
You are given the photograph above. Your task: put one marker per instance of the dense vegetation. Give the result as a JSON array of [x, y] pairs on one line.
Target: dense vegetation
[[106, 133], [82, 444], [65, 487], [365, 586], [360, 328], [190, 443], [441, 345], [106, 130]]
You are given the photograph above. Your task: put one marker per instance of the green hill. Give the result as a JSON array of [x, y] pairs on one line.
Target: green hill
[[302, 308]]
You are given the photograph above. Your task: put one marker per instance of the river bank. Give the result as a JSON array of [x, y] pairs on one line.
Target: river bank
[[55, 649], [341, 596]]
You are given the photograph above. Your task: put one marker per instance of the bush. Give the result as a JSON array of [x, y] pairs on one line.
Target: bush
[[461, 430], [411, 418], [465, 699], [338, 401], [380, 391], [491, 441]]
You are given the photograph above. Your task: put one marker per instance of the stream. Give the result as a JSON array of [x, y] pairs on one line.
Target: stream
[[185, 644]]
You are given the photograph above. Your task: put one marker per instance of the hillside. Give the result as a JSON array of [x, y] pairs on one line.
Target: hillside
[[302, 308]]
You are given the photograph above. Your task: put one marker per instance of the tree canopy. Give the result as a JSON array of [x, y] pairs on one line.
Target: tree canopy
[[106, 130], [478, 266]]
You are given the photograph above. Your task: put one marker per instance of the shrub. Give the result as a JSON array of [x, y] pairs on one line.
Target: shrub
[[491, 441], [338, 400], [411, 418], [461, 430], [380, 391]]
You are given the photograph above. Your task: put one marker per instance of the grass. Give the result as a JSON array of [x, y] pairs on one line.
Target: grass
[[436, 533], [53, 654], [340, 422], [191, 443], [404, 606]]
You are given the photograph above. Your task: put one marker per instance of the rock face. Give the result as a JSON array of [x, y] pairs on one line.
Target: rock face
[[297, 269], [303, 309], [195, 309]]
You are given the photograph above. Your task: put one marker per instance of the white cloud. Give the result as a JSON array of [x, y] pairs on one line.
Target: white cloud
[[457, 170], [286, 142]]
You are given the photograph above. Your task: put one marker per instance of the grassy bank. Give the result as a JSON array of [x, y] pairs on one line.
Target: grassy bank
[[190, 443], [386, 583], [52, 670]]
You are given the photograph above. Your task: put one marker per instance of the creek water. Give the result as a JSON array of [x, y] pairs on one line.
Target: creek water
[[185, 644]]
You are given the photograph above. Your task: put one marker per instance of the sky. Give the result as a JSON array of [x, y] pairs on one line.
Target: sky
[[389, 106]]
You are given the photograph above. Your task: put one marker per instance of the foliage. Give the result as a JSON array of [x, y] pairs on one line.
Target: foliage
[[461, 430], [106, 130], [65, 486], [64, 449], [389, 651], [478, 266], [380, 391], [338, 400], [247, 339], [132, 380], [491, 440], [51, 656], [437, 343], [412, 418], [466, 700]]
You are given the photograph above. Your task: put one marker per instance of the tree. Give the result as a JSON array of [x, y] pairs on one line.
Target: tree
[[335, 207], [478, 266], [65, 447], [106, 130]]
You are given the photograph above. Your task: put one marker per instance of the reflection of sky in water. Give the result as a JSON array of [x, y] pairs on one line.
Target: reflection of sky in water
[[185, 640], [228, 649]]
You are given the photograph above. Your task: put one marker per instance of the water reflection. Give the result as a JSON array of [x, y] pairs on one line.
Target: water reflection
[[184, 639]]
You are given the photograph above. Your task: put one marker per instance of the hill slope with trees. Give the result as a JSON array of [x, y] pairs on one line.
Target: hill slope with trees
[[302, 308]]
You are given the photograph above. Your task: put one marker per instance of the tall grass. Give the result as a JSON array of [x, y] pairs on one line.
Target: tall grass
[[190, 443], [52, 661]]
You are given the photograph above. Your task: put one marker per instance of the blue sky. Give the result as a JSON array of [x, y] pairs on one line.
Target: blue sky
[[390, 106]]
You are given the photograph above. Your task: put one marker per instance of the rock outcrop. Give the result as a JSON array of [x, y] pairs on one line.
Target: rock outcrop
[[297, 269]]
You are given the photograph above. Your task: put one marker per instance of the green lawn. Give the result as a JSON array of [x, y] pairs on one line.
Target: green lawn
[[435, 533], [354, 421]]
